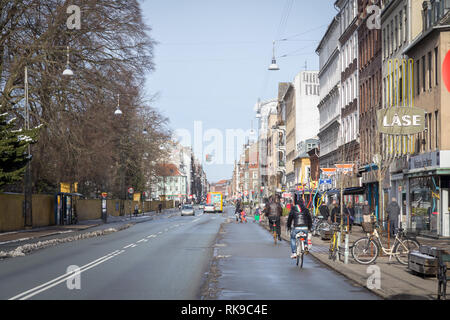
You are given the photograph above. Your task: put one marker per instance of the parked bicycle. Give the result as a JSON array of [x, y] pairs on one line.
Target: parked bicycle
[[334, 244], [367, 249], [318, 224]]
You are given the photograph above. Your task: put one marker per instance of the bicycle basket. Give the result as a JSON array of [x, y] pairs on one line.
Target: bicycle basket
[[367, 227]]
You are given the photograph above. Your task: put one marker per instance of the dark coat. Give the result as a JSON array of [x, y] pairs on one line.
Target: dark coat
[[336, 212], [324, 211], [393, 211]]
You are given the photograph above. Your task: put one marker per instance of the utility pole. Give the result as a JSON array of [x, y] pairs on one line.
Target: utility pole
[[28, 186]]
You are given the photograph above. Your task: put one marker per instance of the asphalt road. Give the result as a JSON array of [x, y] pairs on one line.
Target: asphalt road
[[251, 267], [159, 259], [170, 258]]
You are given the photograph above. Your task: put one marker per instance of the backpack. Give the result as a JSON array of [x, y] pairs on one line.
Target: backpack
[[273, 212]]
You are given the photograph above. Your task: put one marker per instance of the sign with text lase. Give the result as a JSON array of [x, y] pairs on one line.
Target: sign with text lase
[[401, 120]]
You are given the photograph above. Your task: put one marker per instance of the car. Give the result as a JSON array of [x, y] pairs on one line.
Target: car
[[209, 208], [201, 206], [187, 210]]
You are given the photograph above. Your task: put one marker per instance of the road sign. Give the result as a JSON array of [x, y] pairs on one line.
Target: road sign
[[104, 195], [130, 190], [328, 171], [325, 181], [345, 167]]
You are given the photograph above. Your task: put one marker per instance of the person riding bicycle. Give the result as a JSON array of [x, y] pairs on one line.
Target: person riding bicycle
[[273, 212], [299, 215], [238, 210]]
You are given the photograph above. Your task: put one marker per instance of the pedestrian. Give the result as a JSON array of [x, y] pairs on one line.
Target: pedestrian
[[136, 210], [335, 212], [393, 211], [350, 215], [366, 211], [257, 213], [324, 211], [160, 207]]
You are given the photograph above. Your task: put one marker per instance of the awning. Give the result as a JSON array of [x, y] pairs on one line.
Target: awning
[[354, 190], [368, 168]]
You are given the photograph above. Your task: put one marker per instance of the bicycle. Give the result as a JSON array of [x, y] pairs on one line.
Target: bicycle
[[318, 224], [367, 249], [334, 245], [301, 247], [274, 231]]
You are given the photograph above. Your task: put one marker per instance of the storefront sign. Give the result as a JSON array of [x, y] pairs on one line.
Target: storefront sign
[[430, 159], [401, 120]]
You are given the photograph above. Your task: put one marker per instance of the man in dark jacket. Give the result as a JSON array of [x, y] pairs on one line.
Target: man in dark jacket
[[335, 213], [349, 212], [324, 211], [273, 212], [393, 211], [299, 215]]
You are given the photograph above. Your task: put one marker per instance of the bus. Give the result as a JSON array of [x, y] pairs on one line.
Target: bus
[[216, 199]]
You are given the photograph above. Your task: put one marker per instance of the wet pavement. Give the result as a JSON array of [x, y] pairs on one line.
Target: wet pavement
[[249, 266]]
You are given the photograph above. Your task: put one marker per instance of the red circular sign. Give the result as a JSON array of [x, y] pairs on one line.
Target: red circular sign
[[130, 190], [446, 70]]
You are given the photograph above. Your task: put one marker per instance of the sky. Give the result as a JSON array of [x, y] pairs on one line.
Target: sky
[[211, 64]]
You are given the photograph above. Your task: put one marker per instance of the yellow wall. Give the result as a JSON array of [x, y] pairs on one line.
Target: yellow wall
[[89, 209], [11, 212]]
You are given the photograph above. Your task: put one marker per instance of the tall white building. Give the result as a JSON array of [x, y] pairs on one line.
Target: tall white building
[[329, 99], [307, 90]]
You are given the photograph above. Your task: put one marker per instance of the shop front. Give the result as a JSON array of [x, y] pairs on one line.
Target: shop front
[[428, 196]]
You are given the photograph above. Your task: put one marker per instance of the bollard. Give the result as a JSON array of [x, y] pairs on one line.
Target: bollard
[[346, 249]]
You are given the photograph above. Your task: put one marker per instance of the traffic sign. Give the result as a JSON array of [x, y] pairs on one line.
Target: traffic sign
[[130, 190]]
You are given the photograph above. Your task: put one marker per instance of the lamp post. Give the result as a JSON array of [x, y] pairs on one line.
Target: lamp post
[[28, 183], [118, 112]]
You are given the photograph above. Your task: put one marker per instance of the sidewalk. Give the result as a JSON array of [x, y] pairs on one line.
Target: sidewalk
[[11, 240], [397, 282]]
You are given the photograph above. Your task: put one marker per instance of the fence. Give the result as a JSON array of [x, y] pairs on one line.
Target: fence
[[12, 214]]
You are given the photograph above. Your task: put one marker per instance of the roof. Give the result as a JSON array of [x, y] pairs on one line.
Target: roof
[[168, 170]]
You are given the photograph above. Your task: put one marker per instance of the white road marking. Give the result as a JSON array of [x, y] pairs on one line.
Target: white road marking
[[196, 220], [151, 236], [142, 240], [130, 245], [50, 284], [160, 232]]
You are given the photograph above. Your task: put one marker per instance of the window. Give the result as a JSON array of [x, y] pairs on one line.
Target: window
[[436, 129], [423, 73], [429, 70], [436, 66], [418, 77]]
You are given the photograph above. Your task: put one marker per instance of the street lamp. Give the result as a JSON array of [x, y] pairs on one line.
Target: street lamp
[[28, 184], [67, 71], [273, 66], [118, 112]]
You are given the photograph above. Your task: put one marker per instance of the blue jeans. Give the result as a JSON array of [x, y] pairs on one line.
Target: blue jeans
[[293, 234]]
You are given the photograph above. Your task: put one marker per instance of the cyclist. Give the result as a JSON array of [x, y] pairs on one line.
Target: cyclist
[[273, 212], [238, 210], [301, 218]]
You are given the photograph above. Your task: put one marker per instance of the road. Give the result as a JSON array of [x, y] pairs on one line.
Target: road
[[170, 258]]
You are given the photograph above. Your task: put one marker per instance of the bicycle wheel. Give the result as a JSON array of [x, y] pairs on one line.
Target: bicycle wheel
[[274, 236], [298, 251], [402, 249], [301, 260], [365, 251]]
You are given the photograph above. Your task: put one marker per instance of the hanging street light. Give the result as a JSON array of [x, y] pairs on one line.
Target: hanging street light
[[273, 66], [118, 112], [67, 71]]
